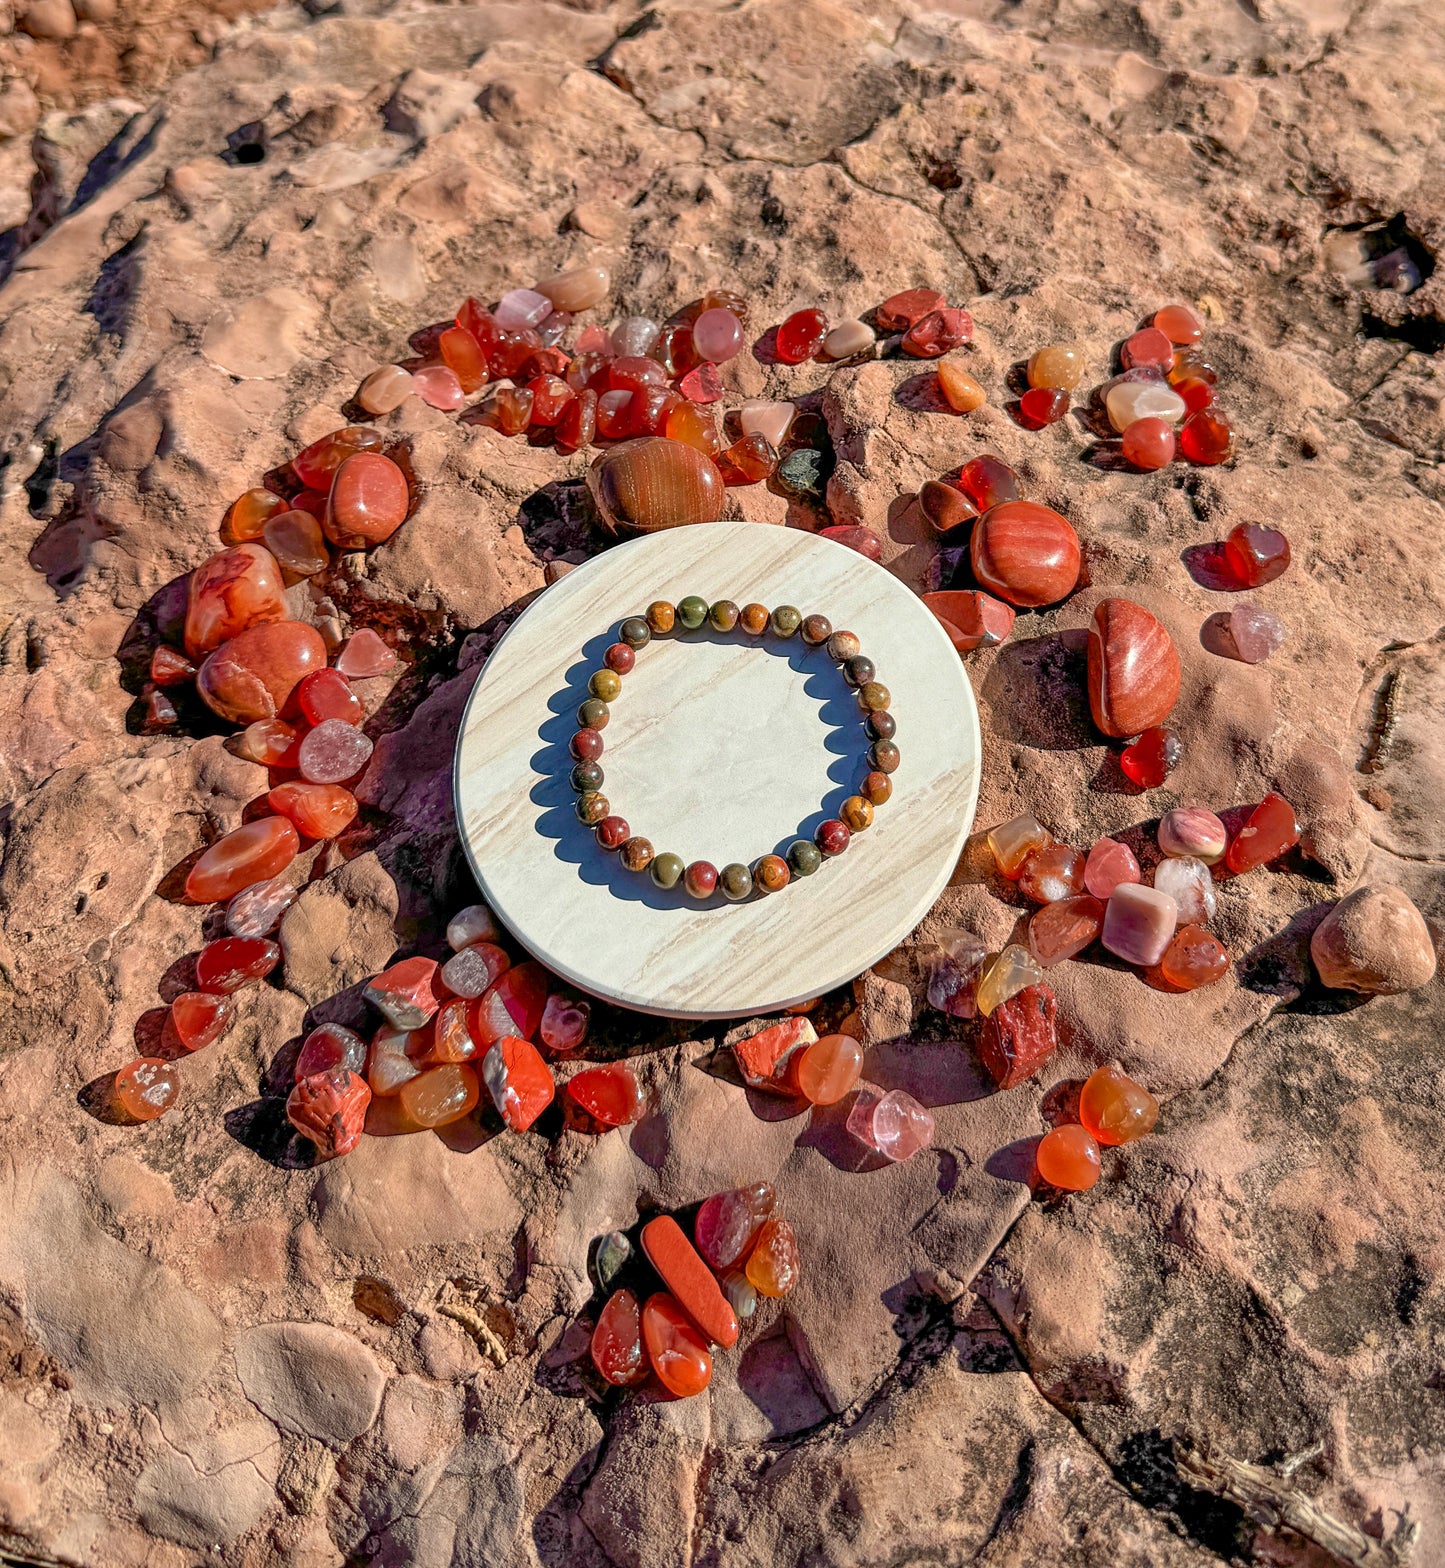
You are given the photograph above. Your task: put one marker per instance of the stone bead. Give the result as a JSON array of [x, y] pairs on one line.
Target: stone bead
[[1065, 927], [1008, 974], [736, 881], [1115, 1109], [857, 813], [437, 386], [804, 857], [817, 629], [586, 744], [723, 616], [1188, 882], [661, 617], [828, 1069], [945, 506], [988, 481], [1025, 553], [1254, 634], [1193, 830], [1206, 438], [440, 1095], [785, 621], [333, 752], [1179, 324], [253, 675], [748, 461], [249, 513], [1256, 554], [1110, 864], [147, 1087], [327, 694], [692, 612], [579, 288], [469, 971], [518, 1080], [578, 424], [666, 870], [876, 787], [933, 335], [689, 1279], [771, 874], [1041, 406], [1138, 923], [388, 1066], [593, 808], [1271, 830], [616, 1346], [368, 501], [1059, 365], [329, 1047], [753, 619], [651, 483], [832, 837], [960, 391], [514, 1004], [1128, 401], [848, 339], [842, 646], [329, 1109], [199, 1017], [1374, 941], [699, 881], [717, 335], [971, 619], [385, 389], [881, 725], [593, 714], [884, 757], [235, 589], [634, 632], [1056, 871], [1194, 957], [899, 311], [1012, 843], [475, 923], [364, 654], [297, 544], [636, 854], [170, 667], [874, 697], [728, 1222], [769, 420], [610, 1095], [801, 335], [853, 537], [253, 853], [1134, 669], [894, 1124], [257, 910], [954, 970], [773, 1267], [605, 685], [404, 992], [1068, 1158], [675, 1350], [1148, 443], [1152, 758], [564, 1021], [613, 832]]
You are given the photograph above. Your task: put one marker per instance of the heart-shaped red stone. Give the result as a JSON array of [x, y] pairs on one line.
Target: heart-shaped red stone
[[1133, 669], [1025, 553]]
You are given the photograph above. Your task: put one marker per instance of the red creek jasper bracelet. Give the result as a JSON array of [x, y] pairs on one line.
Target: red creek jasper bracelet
[[770, 873]]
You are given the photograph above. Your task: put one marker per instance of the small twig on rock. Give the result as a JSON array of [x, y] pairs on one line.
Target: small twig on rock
[[467, 1309], [1270, 1501]]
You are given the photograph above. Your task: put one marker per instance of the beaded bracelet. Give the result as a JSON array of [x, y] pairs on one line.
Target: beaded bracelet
[[770, 873]]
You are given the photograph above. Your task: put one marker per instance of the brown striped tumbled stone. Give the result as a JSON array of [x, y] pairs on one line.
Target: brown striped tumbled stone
[[1133, 669], [652, 483]]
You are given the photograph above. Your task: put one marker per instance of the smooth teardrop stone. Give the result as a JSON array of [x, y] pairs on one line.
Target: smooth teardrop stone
[[1059, 365], [252, 853], [231, 962], [333, 752], [848, 338], [198, 1017], [257, 910], [1065, 927], [1179, 324], [1068, 1158], [616, 1347], [254, 674], [1127, 401], [368, 501], [233, 590], [564, 1022], [1051, 873], [1207, 438], [1012, 843], [677, 1352], [773, 1267], [652, 483], [329, 1047], [1025, 553], [826, 1070], [580, 288], [1009, 973], [295, 540], [1133, 669], [1148, 443], [475, 923], [1109, 865], [1255, 634], [960, 391], [320, 811], [769, 420], [954, 971], [1188, 882], [385, 389], [1138, 923], [437, 386], [1194, 958], [521, 308], [1115, 1108], [899, 311], [147, 1087], [1256, 554], [727, 1222], [1193, 830], [1271, 830], [364, 654]]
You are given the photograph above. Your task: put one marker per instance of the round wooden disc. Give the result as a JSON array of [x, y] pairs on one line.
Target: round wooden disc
[[720, 748]]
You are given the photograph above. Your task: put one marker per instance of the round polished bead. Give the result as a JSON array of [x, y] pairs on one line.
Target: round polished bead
[[771, 874], [736, 881], [832, 837], [884, 756], [881, 724], [753, 618], [875, 696], [691, 612], [723, 616], [613, 832], [636, 854], [619, 658], [859, 671], [857, 812], [635, 632], [666, 869], [592, 808], [876, 787], [817, 629], [786, 620], [586, 745], [593, 714], [843, 646], [606, 684], [700, 879], [661, 617], [804, 857], [586, 777]]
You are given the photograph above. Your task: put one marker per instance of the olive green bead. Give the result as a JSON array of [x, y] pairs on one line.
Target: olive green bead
[[636, 854], [661, 617], [635, 632], [804, 857], [692, 611], [881, 724], [736, 881], [666, 870], [785, 621], [859, 671], [885, 756], [875, 696], [593, 714], [592, 807], [723, 616], [587, 778], [606, 684], [817, 629]]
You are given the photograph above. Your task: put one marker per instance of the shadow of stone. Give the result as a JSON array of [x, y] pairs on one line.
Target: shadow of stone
[[1281, 966], [774, 1377], [1060, 1104], [1209, 567], [1015, 1162], [97, 1099], [1037, 692], [261, 1127], [923, 395], [933, 1072], [1216, 638], [827, 1132]]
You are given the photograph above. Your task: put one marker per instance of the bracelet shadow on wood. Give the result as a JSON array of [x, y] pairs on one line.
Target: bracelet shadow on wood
[[846, 741]]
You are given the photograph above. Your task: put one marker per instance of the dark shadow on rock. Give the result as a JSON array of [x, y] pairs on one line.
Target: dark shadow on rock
[[827, 1132], [1107, 458], [1060, 1104], [1015, 1161], [934, 1073], [765, 348], [97, 1099], [924, 395], [180, 977], [774, 1377], [172, 886], [150, 1031], [261, 1127], [1037, 692], [1111, 779], [1146, 1466], [1281, 966]]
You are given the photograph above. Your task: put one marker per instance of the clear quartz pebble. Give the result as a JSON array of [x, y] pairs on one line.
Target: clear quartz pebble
[[437, 386], [475, 923], [634, 336], [257, 910], [1127, 401], [954, 971], [521, 308], [385, 389], [1188, 882], [1009, 973], [470, 970], [333, 752], [1257, 634], [891, 1123]]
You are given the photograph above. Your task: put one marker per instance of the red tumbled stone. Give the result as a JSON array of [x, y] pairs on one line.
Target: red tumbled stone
[[198, 1017], [609, 1094], [899, 311], [368, 501], [1025, 553], [988, 481], [253, 675], [801, 335], [1152, 758], [404, 993], [1272, 828], [1256, 554], [330, 1109], [1133, 668], [1019, 1035], [689, 1279], [933, 335], [233, 961], [232, 590], [971, 619], [1041, 406]]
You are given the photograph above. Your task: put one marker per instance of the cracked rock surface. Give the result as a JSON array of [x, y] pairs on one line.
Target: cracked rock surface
[[211, 1350]]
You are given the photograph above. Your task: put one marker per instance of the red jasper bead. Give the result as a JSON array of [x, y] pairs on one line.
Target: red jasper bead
[[700, 879], [832, 837], [620, 657], [613, 832], [587, 743]]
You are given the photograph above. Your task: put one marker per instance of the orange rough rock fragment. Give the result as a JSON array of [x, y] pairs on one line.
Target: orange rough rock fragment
[[763, 1058], [689, 1279]]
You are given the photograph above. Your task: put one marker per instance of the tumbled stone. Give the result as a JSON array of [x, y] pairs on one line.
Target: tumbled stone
[[320, 811], [1193, 830], [763, 1058], [254, 852], [447, 1038], [1068, 1158], [1019, 1035], [1041, 406], [1207, 438], [946, 507], [651, 483], [391, 1060], [899, 311], [257, 910], [475, 923], [971, 618], [1053, 872], [520, 308], [801, 335], [717, 335], [405, 992], [1255, 554], [515, 1004], [235, 589], [330, 1109], [579, 288], [1108, 864], [1194, 957], [741, 1296], [828, 1069], [853, 537], [748, 461], [296, 542], [676, 1351], [1059, 365], [368, 501], [1008, 974], [892, 1124], [1272, 829], [170, 667], [1188, 882], [518, 1080], [610, 1094], [616, 1347], [1065, 927], [1025, 553], [441, 1095], [199, 1017], [727, 1222], [1134, 670], [253, 675], [689, 1279], [327, 694], [1179, 324], [933, 335], [1012, 843], [147, 1087], [1115, 1109], [437, 386], [1374, 941], [1148, 346], [1138, 923], [332, 752], [248, 515], [988, 481], [329, 1047], [773, 1266], [954, 970], [1129, 401], [471, 970], [607, 1257], [564, 1022], [231, 962], [1151, 759], [1148, 443], [1254, 633], [960, 390], [634, 335], [271, 742], [847, 339], [316, 465], [385, 389]]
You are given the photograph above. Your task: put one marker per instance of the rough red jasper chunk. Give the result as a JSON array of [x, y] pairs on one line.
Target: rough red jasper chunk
[[1152, 758], [236, 588], [518, 1080], [254, 674], [147, 1087], [727, 1222], [318, 810], [1025, 553], [513, 1005], [234, 961], [405, 993], [971, 619], [678, 1353], [1019, 1035], [368, 501], [251, 853], [1271, 830], [609, 1094], [763, 1058], [689, 1279], [899, 311], [198, 1017], [1256, 554], [1133, 668], [1065, 927], [327, 694], [330, 1109], [801, 335], [617, 1351], [933, 335]]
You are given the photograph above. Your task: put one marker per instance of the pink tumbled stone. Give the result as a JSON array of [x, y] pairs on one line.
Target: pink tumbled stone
[[363, 654], [437, 386], [1110, 865], [1255, 633], [1193, 830], [595, 340], [333, 752], [892, 1124], [257, 910], [769, 420], [564, 1022], [1138, 923], [519, 308], [717, 335]]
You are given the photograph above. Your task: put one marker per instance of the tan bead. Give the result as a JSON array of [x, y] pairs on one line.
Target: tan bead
[[1059, 365], [857, 812]]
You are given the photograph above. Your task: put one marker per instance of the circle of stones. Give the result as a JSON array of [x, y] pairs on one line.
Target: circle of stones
[[772, 872]]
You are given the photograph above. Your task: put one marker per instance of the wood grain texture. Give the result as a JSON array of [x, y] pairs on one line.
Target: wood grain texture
[[719, 748]]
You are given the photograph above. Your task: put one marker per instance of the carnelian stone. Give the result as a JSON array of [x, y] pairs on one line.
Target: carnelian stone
[[689, 1279], [465, 356], [1012, 843], [1152, 758], [551, 397], [296, 541], [961, 391], [1065, 927], [440, 1095], [160, 713], [1197, 393], [899, 311], [694, 426], [1057, 365], [764, 1058], [748, 461], [801, 335], [1109, 865], [727, 1222], [826, 1070], [316, 465], [234, 961], [328, 1047], [772, 1267], [1148, 346], [1148, 443], [514, 1004], [327, 694], [1206, 438], [1256, 554], [1271, 830], [471, 969], [248, 515], [447, 1038], [234, 589], [702, 384], [1025, 553], [1115, 1108], [272, 742], [609, 1094], [368, 501], [971, 619], [405, 992], [1068, 1157], [1052, 873], [933, 335], [617, 1351], [1134, 669], [170, 667], [1019, 1035], [330, 1109], [1194, 957], [147, 1087], [198, 1017], [678, 1353], [1041, 406], [1179, 324], [395, 1058], [253, 675], [518, 1080], [251, 853], [318, 810], [578, 424]]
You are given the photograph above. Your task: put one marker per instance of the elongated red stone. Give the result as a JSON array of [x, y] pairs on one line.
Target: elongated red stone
[[234, 961], [1019, 1035], [1133, 669], [254, 674], [971, 619], [368, 501], [254, 852], [1272, 829], [1025, 553], [616, 1348], [678, 1353], [234, 589], [689, 1279]]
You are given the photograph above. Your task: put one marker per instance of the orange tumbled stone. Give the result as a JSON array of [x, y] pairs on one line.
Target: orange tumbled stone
[[254, 852], [1025, 553], [368, 501], [1271, 830], [198, 1018], [1134, 669], [465, 356], [147, 1087], [253, 675], [826, 1070], [772, 1266], [1068, 1157], [1064, 927], [678, 1353], [652, 483], [316, 465], [1194, 957], [960, 390], [318, 810], [440, 1095], [616, 1346], [1115, 1108], [1179, 324], [971, 619], [234, 589], [248, 515], [689, 1279], [518, 1080], [1056, 871]]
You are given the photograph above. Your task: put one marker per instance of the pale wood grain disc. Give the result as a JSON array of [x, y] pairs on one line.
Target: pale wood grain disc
[[719, 748]]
